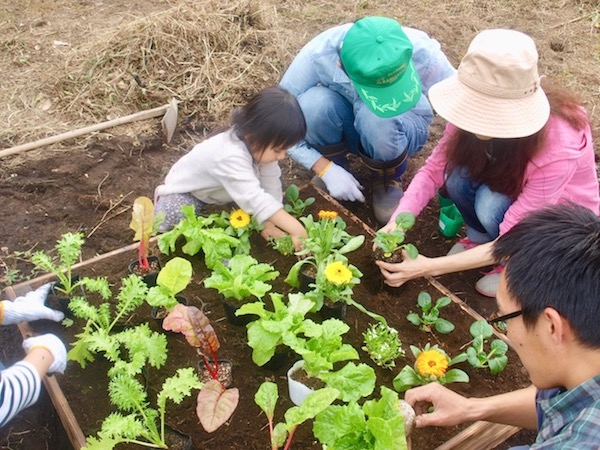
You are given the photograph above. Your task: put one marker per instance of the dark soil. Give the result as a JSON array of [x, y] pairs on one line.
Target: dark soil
[[86, 388]]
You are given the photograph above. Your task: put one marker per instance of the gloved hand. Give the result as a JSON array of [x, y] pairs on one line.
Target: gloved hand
[[29, 307], [341, 184], [54, 345]]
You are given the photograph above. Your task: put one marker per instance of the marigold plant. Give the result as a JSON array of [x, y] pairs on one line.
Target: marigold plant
[[431, 365]]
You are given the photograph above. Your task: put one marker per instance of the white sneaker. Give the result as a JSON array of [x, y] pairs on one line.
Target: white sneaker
[[462, 245], [488, 285]]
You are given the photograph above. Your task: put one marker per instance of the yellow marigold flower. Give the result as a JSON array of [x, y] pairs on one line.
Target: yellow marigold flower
[[432, 363], [239, 218], [337, 273], [327, 214]]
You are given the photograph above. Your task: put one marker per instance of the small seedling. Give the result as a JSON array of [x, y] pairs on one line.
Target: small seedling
[[430, 314], [495, 360], [295, 205], [392, 243], [283, 245]]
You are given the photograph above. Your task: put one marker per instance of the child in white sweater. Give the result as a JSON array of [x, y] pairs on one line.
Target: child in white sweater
[[239, 164]]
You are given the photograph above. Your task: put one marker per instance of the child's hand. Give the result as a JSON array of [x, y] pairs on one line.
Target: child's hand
[[271, 231], [298, 242]]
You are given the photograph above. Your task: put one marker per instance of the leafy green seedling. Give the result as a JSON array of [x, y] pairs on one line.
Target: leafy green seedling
[[283, 245], [295, 205], [283, 432], [172, 279], [495, 359], [391, 243], [430, 314], [383, 344]]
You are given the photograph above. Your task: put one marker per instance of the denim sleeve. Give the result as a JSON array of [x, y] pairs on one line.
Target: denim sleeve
[[304, 155]]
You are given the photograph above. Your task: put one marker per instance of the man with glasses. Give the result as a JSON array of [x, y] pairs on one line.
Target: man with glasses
[[549, 308]]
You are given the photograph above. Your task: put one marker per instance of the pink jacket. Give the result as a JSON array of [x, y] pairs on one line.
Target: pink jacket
[[564, 170]]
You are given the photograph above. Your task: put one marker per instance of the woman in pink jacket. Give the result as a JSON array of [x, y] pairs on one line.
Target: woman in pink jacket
[[512, 145]]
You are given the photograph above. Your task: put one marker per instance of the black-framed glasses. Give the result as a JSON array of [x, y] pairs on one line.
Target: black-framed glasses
[[499, 322]]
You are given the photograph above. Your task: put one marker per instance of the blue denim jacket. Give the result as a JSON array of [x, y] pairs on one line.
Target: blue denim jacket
[[318, 63]]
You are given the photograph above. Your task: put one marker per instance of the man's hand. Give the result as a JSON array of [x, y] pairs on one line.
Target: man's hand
[[30, 307], [52, 344], [449, 408], [341, 184]]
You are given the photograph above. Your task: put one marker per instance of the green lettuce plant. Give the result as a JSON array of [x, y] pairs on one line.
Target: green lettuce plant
[[68, 249], [430, 314], [200, 233], [478, 356], [431, 365], [273, 328], [376, 425], [321, 347], [241, 278], [282, 433], [383, 344]]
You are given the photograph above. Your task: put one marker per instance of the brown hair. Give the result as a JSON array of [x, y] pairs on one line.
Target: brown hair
[[501, 163]]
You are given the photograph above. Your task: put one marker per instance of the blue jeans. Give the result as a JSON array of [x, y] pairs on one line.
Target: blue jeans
[[332, 119], [482, 209]]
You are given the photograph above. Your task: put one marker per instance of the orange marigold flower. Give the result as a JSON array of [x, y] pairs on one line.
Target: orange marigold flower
[[323, 214], [239, 218], [432, 363]]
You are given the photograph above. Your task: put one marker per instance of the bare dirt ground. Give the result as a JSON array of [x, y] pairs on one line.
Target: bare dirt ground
[[65, 65]]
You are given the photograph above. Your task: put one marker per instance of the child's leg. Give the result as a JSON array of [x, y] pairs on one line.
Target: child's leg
[[171, 206]]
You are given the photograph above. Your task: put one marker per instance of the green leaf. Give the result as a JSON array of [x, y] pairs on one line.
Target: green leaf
[[498, 364], [411, 251], [406, 379], [352, 381], [444, 326], [442, 302], [266, 398], [456, 376], [424, 300], [312, 405], [481, 328], [414, 319], [405, 220], [175, 275]]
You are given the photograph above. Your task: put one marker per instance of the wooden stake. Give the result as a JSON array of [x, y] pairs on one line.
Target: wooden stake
[[142, 115]]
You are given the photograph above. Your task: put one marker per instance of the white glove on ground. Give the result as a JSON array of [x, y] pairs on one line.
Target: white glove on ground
[[54, 345], [341, 184], [29, 307]]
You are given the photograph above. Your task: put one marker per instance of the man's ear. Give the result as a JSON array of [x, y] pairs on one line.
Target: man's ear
[[558, 328]]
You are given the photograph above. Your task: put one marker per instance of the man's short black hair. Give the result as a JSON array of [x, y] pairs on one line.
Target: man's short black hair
[[552, 259]]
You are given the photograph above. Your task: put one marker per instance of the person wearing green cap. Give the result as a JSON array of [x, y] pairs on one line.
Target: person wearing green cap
[[362, 87]]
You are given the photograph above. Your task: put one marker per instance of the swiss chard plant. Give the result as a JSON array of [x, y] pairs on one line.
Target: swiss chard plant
[[172, 279], [68, 252], [390, 243], [145, 224], [294, 204], [215, 403], [241, 277], [383, 344], [376, 425], [326, 236], [430, 314], [137, 422], [480, 355], [431, 365], [273, 328], [101, 319], [282, 433], [321, 347], [200, 233]]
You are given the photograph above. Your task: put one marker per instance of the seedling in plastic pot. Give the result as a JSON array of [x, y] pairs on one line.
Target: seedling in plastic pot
[[389, 246], [495, 359]]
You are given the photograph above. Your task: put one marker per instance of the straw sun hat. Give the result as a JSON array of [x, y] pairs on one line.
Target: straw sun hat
[[496, 91]]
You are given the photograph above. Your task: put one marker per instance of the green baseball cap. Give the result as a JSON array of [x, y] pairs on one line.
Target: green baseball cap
[[376, 55]]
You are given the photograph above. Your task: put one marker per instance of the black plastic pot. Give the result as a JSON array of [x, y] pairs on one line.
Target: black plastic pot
[[177, 440], [224, 375], [305, 282], [280, 359], [58, 301], [158, 313], [239, 321], [335, 310], [148, 277]]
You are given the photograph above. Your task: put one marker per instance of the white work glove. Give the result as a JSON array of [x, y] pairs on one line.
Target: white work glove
[[29, 307], [341, 184], [54, 345]]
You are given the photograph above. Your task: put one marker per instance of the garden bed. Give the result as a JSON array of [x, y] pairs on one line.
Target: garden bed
[[85, 390]]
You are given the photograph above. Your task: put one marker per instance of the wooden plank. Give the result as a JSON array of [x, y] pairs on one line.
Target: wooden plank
[[61, 405], [480, 436]]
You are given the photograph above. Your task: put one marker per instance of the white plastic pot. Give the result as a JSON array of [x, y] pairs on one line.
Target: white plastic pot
[[298, 391]]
